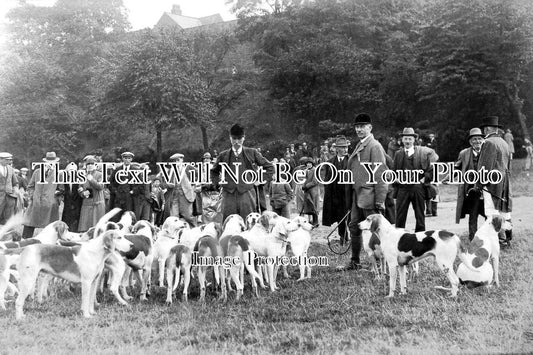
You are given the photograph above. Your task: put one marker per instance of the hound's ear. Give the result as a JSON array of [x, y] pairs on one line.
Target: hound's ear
[[109, 242], [497, 221], [376, 223], [61, 228], [264, 220]]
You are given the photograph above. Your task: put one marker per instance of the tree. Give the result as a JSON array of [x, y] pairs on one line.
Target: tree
[[157, 83]]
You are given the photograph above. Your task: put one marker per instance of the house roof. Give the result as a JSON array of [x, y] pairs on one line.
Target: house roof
[[189, 22]]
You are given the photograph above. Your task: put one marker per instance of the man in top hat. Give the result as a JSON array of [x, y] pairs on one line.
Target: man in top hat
[[238, 196], [8, 188], [363, 197], [469, 199], [417, 190], [44, 204], [121, 195], [181, 194], [336, 200], [495, 155]]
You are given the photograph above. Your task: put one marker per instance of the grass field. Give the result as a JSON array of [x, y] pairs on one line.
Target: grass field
[[334, 312]]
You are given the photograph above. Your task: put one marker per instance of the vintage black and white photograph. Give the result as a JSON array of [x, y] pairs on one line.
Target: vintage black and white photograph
[[266, 176]]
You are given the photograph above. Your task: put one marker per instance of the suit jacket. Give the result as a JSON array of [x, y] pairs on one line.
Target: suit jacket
[[72, 206], [252, 159], [422, 159], [368, 195], [336, 196], [8, 182], [44, 206], [121, 192], [185, 184], [495, 155]]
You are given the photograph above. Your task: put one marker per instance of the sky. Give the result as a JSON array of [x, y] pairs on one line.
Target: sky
[[146, 13]]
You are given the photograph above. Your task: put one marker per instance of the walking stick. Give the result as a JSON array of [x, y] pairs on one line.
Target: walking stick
[[334, 245]]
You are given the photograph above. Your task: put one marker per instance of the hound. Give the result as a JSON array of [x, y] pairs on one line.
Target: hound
[[299, 238], [82, 264], [49, 235], [268, 239], [179, 260], [167, 238], [8, 229], [372, 246], [233, 225], [401, 248], [482, 249], [252, 219], [208, 248]]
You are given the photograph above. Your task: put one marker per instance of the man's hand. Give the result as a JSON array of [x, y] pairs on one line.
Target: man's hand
[[380, 206]]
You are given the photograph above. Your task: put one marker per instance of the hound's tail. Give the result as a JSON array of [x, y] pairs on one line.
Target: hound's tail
[[464, 259], [11, 223], [178, 253], [100, 226]]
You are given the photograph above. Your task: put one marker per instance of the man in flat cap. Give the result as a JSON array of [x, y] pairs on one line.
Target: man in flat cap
[[239, 197], [410, 159], [364, 197], [44, 198], [496, 155], [468, 199], [8, 188], [121, 195]]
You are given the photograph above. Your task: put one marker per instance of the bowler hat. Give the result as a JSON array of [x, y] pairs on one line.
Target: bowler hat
[[363, 118], [236, 131], [475, 132], [127, 154], [51, 157], [341, 141], [409, 131], [177, 156], [491, 121]]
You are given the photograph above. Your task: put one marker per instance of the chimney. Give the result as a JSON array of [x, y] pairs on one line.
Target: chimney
[[176, 10]]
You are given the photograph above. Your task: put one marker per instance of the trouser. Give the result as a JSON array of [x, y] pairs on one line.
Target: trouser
[[431, 207], [180, 206], [238, 203], [283, 211], [414, 194], [7, 207], [477, 208], [357, 215]]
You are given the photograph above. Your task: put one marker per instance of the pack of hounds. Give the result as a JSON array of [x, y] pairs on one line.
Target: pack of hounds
[[112, 254]]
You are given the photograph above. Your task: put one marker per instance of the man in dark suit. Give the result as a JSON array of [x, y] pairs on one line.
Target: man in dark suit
[[71, 202], [495, 155], [431, 203], [239, 197], [468, 199], [335, 195], [415, 190], [365, 198], [122, 194]]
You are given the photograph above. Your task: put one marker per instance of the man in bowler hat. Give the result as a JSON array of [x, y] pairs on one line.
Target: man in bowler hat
[[239, 197]]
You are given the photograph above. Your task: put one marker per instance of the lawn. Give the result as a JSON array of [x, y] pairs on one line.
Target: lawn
[[334, 312]]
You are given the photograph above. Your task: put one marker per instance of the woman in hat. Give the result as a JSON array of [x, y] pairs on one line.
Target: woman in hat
[[529, 150], [92, 193]]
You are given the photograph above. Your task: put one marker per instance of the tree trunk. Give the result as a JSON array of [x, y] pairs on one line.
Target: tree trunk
[[159, 143], [205, 140], [515, 105]]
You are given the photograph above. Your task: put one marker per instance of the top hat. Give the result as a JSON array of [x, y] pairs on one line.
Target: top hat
[[363, 118], [409, 131], [341, 141], [475, 132], [491, 121], [206, 155], [51, 157], [5, 155], [236, 131], [177, 156], [127, 154]]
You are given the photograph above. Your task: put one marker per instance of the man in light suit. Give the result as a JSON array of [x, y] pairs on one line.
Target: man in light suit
[[496, 155], [8, 188], [468, 199], [182, 195], [238, 197], [364, 198], [414, 192]]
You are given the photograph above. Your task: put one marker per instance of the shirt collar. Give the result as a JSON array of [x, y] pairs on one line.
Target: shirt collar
[[237, 152], [410, 151]]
